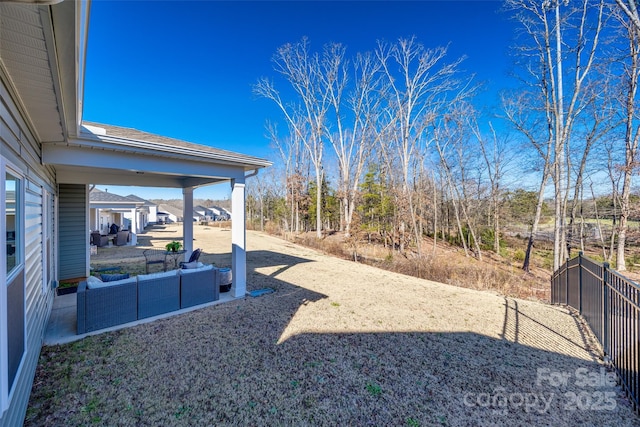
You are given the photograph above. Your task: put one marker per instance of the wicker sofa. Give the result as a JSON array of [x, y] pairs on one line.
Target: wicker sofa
[[102, 305], [199, 286]]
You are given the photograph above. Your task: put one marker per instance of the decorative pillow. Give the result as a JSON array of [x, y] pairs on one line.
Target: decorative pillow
[[113, 277], [114, 283], [161, 275], [192, 264], [197, 269]]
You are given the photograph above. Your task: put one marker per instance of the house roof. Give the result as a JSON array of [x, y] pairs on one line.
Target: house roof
[[107, 154], [96, 195], [99, 199], [162, 143], [170, 210], [140, 199]]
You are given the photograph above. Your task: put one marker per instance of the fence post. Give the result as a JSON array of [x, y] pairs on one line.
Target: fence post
[[566, 282], [605, 305], [580, 279]]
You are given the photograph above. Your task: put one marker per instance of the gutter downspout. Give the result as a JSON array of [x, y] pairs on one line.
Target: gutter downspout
[[254, 173]]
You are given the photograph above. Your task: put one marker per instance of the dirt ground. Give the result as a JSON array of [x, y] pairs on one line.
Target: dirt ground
[[337, 343]]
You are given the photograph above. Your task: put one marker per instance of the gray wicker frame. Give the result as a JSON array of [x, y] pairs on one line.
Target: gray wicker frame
[[199, 287], [140, 297], [105, 307], [158, 295]]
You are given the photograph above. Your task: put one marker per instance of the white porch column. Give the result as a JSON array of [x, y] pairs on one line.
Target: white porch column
[[238, 240], [134, 221], [133, 229], [187, 220]]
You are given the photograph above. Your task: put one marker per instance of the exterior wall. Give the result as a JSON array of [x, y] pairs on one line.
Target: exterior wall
[[93, 219], [142, 220], [105, 219], [73, 235], [153, 214], [20, 148]]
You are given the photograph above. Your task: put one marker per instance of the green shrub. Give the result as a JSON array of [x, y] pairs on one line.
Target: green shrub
[[173, 246]]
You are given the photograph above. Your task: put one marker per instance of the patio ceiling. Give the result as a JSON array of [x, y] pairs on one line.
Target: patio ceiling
[[106, 154]]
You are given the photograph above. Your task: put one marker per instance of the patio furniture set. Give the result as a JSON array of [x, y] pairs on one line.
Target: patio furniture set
[[168, 259], [104, 304], [118, 239]]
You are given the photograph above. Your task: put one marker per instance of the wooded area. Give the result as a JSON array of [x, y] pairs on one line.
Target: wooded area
[[393, 146]]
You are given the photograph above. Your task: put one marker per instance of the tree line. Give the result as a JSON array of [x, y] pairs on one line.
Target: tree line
[[393, 145]]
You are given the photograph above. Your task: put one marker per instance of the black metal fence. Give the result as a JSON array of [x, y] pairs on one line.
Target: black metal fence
[[609, 303]]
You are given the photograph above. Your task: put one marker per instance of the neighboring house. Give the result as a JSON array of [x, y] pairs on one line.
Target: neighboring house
[[200, 213], [108, 208], [169, 214], [48, 159], [220, 214], [148, 212]]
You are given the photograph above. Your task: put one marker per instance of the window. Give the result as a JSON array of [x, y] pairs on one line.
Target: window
[[12, 204], [12, 277]]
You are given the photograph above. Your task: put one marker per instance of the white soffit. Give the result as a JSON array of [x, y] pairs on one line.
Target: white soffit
[[24, 57]]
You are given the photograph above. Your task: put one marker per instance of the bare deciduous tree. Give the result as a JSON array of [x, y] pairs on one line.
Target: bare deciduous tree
[[352, 144], [565, 39], [303, 71], [420, 84], [296, 171], [631, 27], [494, 156], [630, 9]]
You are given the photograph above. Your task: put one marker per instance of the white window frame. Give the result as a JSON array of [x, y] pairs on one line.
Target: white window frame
[[47, 268], [5, 393]]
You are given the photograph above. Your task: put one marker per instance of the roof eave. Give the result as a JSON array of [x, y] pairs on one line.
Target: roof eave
[[70, 23], [106, 142]]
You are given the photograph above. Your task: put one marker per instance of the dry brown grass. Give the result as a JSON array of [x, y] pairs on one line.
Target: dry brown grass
[[338, 343], [445, 265]]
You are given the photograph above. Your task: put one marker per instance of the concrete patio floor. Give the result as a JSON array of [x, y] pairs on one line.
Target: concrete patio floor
[[61, 328]]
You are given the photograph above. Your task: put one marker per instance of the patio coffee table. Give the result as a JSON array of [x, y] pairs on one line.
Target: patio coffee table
[[175, 256]]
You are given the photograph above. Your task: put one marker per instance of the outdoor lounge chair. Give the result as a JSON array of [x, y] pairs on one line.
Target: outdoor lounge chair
[[195, 256], [155, 256], [99, 240], [121, 238]]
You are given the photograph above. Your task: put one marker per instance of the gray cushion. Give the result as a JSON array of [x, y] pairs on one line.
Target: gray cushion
[[93, 280], [161, 275], [197, 269], [192, 264], [113, 283]]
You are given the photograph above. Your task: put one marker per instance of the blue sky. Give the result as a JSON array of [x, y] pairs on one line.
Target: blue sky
[[186, 69]]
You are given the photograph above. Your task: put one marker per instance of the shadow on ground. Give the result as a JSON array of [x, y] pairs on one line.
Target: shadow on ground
[[233, 364]]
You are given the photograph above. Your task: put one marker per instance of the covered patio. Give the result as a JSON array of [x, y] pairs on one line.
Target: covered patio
[[111, 155], [213, 240]]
